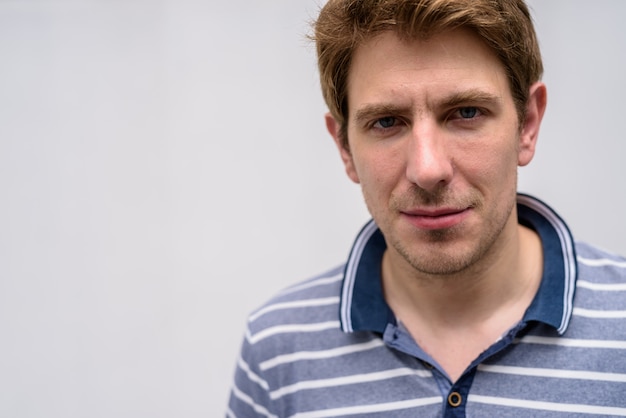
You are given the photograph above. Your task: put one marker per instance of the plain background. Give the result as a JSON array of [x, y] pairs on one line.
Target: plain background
[[164, 169]]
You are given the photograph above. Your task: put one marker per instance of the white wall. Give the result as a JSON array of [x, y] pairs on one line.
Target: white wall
[[164, 169], [580, 165]]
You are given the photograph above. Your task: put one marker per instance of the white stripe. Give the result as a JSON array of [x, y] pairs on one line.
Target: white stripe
[[589, 313], [607, 287], [249, 401], [306, 303], [313, 283], [367, 409], [251, 375], [570, 342], [290, 328], [322, 354], [548, 406], [350, 277], [569, 261], [554, 373], [347, 380], [602, 262], [230, 414]]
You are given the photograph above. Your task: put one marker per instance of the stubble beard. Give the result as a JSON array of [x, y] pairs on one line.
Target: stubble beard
[[442, 258]]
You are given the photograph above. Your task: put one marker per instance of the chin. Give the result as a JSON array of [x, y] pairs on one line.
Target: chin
[[442, 257]]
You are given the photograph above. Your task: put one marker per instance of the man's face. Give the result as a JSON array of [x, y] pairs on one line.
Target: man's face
[[435, 141]]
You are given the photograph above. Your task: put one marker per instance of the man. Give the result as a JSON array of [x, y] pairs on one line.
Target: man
[[460, 297]]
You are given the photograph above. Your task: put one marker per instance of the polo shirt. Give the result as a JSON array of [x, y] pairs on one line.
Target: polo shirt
[[332, 347]]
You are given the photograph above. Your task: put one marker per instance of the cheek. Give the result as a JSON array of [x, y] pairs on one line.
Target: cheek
[[489, 163], [378, 172], [504, 170]]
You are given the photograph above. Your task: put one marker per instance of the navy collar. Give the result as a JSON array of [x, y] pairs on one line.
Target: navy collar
[[363, 307]]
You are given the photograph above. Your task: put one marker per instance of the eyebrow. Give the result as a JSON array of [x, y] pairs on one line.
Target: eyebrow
[[466, 97], [470, 96], [371, 111]]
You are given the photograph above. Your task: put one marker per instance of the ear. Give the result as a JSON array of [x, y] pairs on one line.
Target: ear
[[535, 108], [334, 128]]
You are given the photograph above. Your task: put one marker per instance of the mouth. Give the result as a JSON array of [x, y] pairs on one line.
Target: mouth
[[434, 219]]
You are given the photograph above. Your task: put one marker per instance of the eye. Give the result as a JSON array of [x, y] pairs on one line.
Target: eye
[[468, 112], [386, 122]]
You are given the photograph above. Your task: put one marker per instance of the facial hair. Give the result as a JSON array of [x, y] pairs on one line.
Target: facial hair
[[442, 259]]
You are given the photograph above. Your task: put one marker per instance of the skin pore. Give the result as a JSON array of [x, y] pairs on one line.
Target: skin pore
[[434, 141]]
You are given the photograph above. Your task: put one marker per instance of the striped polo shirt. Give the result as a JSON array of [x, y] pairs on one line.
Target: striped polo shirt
[[331, 346]]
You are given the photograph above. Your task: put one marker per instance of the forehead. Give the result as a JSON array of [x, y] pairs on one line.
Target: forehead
[[386, 67]]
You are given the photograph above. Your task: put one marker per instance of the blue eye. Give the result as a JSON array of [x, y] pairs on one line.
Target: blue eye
[[386, 122], [468, 112]]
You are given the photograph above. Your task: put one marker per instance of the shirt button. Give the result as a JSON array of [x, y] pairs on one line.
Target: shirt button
[[455, 399]]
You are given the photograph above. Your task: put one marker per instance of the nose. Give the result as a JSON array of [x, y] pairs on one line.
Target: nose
[[429, 163]]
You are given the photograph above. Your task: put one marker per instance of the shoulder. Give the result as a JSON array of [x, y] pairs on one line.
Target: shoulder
[[306, 308], [600, 296], [599, 266]]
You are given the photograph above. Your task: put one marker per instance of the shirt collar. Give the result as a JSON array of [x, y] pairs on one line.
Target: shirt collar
[[363, 307]]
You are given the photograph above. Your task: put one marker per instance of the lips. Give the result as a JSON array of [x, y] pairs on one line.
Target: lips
[[433, 219]]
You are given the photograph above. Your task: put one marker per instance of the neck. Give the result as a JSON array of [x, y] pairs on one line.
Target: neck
[[509, 272], [470, 309]]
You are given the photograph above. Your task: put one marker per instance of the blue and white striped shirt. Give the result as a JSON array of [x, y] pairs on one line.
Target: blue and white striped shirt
[[331, 347]]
